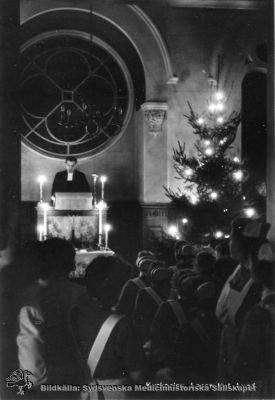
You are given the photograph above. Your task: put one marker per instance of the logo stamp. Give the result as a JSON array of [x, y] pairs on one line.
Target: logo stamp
[[20, 378]]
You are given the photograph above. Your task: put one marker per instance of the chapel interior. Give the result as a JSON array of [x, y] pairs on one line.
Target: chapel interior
[[110, 82]]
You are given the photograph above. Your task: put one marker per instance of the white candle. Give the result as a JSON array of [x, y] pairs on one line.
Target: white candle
[[41, 180], [107, 228], [40, 232], [103, 180], [100, 207]]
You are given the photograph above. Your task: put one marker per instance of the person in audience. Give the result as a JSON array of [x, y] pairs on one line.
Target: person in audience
[[120, 358], [149, 298], [204, 265], [240, 292], [127, 299], [184, 255], [183, 339], [224, 264], [45, 343], [254, 359]]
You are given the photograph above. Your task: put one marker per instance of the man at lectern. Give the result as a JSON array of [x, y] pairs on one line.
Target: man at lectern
[[70, 180]]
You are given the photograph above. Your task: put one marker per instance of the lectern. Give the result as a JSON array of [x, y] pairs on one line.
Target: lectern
[[73, 201]]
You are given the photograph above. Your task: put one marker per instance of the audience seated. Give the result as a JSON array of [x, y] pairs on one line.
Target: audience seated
[[182, 347], [149, 298], [45, 343], [120, 358], [201, 320], [127, 298]]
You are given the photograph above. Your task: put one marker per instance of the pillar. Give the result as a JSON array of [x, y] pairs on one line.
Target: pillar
[[153, 169], [9, 127], [271, 125]]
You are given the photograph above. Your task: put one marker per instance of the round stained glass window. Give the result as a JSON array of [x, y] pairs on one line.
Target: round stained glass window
[[75, 96]]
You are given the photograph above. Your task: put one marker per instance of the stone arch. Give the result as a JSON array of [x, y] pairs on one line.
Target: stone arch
[[130, 20]]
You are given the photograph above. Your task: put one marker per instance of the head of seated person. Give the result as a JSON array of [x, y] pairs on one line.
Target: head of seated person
[[34, 266], [159, 276], [186, 286], [105, 277], [184, 253], [143, 263], [60, 256], [204, 263]]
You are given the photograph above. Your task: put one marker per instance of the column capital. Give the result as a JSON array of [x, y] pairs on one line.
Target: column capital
[[154, 113]]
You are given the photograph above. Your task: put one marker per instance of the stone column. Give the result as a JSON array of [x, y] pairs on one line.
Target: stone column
[[271, 125], [154, 173], [9, 125]]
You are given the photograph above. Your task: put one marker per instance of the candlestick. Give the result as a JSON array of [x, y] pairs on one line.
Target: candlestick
[[40, 229], [41, 180], [45, 209], [107, 228], [100, 206], [95, 176], [102, 180]]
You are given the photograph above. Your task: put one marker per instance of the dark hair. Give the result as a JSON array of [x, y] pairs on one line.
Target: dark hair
[[60, 254], [183, 251], [263, 272], [33, 263], [71, 158], [205, 262], [105, 277]]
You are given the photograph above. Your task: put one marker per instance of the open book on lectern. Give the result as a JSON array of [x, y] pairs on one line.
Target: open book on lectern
[[73, 201]]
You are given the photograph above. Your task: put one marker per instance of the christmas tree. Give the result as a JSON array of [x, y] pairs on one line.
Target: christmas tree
[[212, 189]]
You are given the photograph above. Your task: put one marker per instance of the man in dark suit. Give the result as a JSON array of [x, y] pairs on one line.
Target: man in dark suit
[[70, 180]]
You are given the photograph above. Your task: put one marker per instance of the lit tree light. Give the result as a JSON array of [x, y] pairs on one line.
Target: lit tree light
[[209, 151], [225, 210], [236, 159], [212, 107], [238, 175], [214, 195], [219, 96], [184, 221], [194, 199], [218, 234], [207, 142], [250, 212], [227, 236], [188, 172], [173, 230], [220, 120], [200, 121], [220, 107], [244, 198]]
